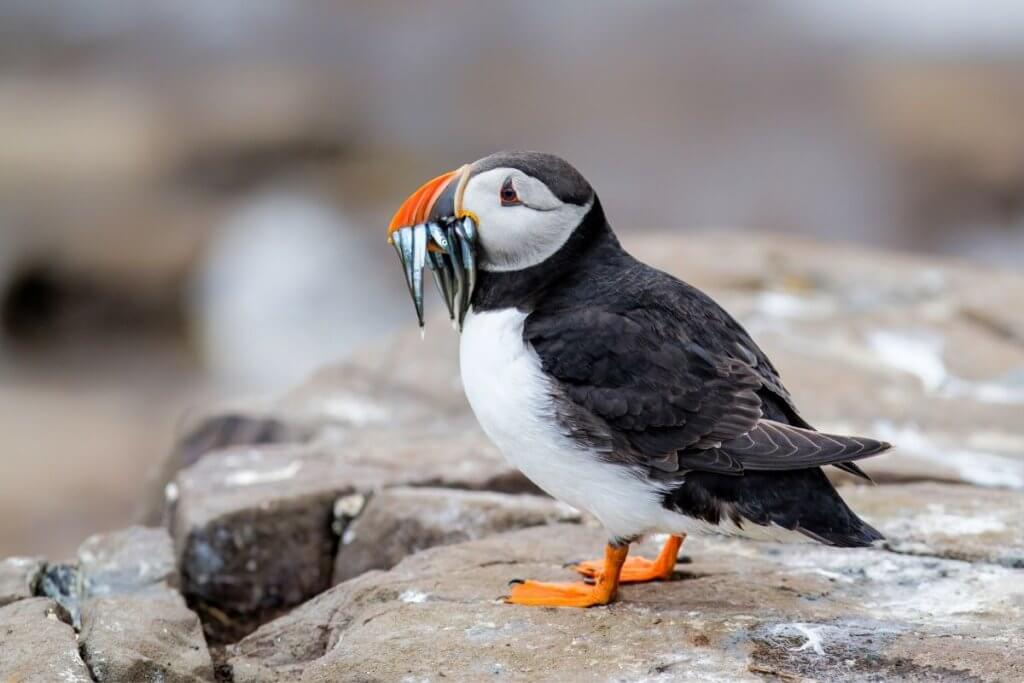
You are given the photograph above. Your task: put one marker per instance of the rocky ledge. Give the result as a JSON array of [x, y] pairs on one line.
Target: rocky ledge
[[361, 527]]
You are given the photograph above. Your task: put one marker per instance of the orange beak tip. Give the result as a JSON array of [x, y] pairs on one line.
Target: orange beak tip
[[417, 207]]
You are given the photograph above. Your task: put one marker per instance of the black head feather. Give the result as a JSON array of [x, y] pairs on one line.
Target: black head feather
[[564, 181]]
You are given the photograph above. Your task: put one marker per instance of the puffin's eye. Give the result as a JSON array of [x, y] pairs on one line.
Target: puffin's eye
[[509, 197]]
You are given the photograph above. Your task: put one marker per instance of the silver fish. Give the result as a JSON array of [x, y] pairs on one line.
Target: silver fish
[[441, 269], [466, 231], [448, 248], [419, 259]]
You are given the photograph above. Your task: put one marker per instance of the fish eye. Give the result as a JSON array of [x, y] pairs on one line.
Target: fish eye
[[509, 196]]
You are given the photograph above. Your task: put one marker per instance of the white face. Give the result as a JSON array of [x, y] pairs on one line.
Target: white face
[[522, 233]]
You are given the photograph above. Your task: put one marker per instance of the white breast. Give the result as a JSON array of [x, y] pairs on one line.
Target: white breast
[[510, 396]]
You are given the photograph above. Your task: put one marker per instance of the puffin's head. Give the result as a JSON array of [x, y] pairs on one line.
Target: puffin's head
[[505, 212]]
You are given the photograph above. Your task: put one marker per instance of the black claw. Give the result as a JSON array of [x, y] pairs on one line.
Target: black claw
[[513, 582]]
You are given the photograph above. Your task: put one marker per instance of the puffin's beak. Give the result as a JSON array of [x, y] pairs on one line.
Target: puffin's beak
[[434, 200], [429, 230]]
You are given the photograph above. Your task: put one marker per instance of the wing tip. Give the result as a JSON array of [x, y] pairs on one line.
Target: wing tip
[[859, 534]]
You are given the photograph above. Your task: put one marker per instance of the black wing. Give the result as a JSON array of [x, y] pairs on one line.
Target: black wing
[[676, 384]]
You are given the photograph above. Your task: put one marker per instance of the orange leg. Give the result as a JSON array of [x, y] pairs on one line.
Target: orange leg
[[640, 569], [577, 594]]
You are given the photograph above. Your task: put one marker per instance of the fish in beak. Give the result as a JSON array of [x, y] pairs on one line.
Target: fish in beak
[[429, 230]]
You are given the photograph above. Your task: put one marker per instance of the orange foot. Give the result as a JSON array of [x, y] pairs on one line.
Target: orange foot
[[580, 594], [541, 594], [640, 569]]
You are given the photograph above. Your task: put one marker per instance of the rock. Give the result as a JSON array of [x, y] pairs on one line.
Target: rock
[[19, 577], [37, 646], [253, 534], [335, 402], [253, 527], [120, 595], [62, 583], [742, 610], [133, 560], [136, 560], [144, 638], [401, 521], [206, 433], [942, 520]]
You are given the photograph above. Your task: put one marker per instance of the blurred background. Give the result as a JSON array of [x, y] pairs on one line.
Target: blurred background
[[193, 194]]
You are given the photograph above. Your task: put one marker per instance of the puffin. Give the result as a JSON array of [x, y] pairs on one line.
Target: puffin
[[615, 387]]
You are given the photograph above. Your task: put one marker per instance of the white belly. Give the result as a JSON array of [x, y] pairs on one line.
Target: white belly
[[509, 394]]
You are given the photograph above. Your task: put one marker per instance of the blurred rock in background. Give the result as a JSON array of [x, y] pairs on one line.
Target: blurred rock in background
[[193, 194]]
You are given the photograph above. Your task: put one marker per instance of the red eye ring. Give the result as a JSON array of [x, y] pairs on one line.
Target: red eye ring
[[508, 194]]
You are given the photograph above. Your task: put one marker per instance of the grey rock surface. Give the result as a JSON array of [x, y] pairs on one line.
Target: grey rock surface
[[144, 638], [113, 615], [943, 520], [37, 645], [136, 560], [19, 577], [253, 526], [400, 521], [740, 611], [133, 560]]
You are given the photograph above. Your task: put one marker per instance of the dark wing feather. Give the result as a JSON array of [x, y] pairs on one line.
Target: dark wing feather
[[675, 383], [656, 390], [775, 446]]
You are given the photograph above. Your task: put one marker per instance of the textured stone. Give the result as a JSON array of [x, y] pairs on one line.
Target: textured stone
[[19, 577], [133, 560], [120, 595], [742, 610], [214, 430], [62, 583], [37, 646], [136, 560], [401, 521], [253, 526], [943, 520], [144, 638]]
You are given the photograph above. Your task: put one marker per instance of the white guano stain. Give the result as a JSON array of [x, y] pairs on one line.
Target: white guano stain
[[353, 409], [253, 477], [812, 634], [413, 596], [936, 520], [973, 466], [920, 354], [785, 306]]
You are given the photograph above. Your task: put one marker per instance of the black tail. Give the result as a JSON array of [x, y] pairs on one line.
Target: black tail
[[798, 500]]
